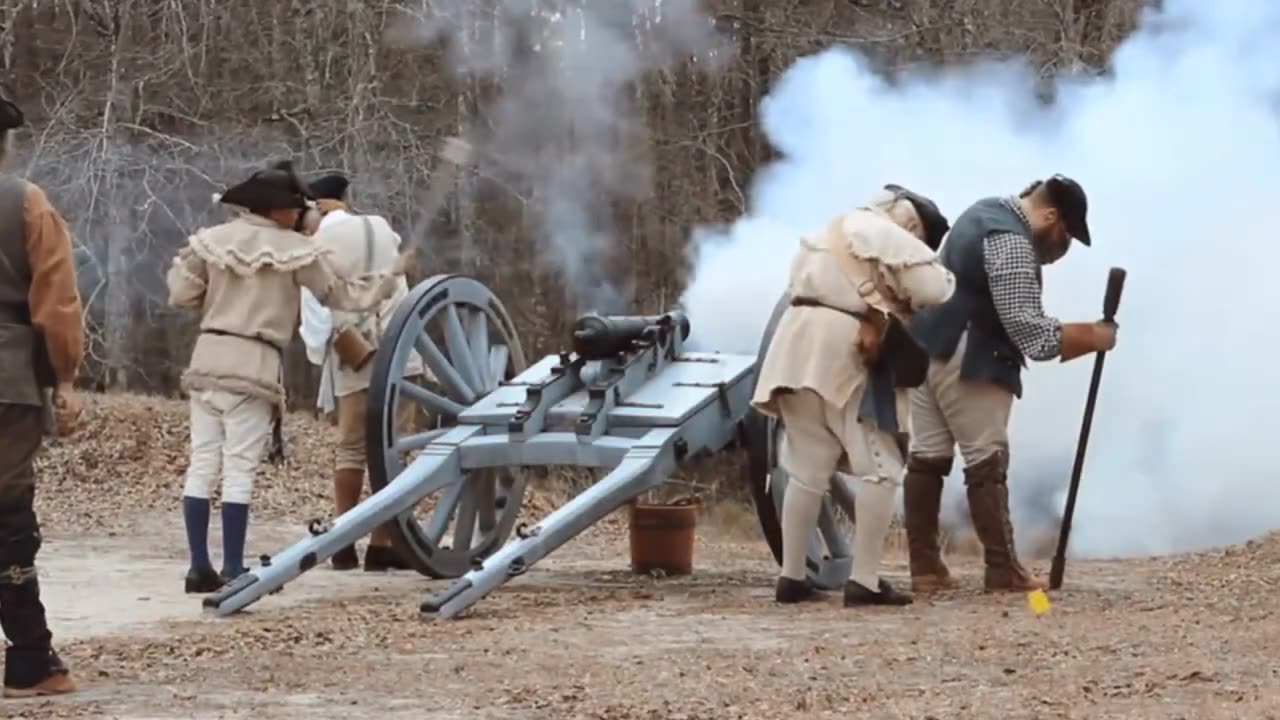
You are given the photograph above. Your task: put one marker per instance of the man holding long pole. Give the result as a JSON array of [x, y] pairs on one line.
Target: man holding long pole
[[979, 341]]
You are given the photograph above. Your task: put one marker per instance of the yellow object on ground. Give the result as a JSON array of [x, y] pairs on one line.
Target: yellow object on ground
[[1038, 601]]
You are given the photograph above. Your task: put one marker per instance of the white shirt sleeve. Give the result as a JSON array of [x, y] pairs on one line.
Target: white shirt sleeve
[[316, 327]]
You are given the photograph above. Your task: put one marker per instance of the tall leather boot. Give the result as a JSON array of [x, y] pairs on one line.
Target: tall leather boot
[[347, 484], [922, 506], [989, 507]]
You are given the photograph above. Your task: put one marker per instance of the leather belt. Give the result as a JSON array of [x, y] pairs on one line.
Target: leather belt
[[227, 333], [813, 302]]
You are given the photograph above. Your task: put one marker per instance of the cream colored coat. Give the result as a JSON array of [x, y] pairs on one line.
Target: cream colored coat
[[243, 278], [343, 234], [814, 347]]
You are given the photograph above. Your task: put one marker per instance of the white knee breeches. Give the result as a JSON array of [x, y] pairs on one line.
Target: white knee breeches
[[229, 434]]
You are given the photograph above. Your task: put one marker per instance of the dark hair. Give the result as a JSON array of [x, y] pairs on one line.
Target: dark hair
[[1031, 189]]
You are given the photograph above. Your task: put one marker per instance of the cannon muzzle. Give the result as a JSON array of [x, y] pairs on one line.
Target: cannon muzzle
[[596, 337]]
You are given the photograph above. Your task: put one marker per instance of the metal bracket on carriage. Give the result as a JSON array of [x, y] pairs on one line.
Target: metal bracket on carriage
[[317, 527], [433, 604], [722, 393], [529, 418]]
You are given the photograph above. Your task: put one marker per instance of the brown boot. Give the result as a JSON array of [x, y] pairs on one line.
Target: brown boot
[[922, 504], [347, 484], [20, 681], [989, 508]]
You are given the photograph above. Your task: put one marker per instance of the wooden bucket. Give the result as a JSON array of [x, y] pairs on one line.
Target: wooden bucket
[[662, 536]]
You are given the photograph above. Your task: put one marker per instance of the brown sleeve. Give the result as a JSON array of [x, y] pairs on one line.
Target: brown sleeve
[[54, 298]]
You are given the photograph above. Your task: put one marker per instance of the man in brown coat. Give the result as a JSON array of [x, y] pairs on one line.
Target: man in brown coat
[[41, 346]]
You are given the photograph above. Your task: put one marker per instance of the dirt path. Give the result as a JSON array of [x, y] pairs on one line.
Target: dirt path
[[120, 586], [579, 637]]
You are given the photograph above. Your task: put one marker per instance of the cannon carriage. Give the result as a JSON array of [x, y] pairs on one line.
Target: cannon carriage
[[627, 398]]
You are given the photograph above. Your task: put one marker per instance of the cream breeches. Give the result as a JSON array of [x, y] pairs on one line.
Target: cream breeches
[[229, 435], [947, 412], [815, 435]]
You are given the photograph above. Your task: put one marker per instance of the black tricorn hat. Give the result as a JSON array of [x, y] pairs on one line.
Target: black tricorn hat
[[934, 222], [10, 115], [332, 186], [275, 188]]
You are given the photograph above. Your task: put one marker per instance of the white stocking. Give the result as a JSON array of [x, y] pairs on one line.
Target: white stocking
[[873, 509], [801, 506]]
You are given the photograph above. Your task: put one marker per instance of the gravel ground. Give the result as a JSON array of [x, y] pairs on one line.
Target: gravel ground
[[579, 637]]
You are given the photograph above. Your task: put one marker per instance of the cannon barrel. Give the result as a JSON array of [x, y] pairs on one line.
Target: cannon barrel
[[596, 337]]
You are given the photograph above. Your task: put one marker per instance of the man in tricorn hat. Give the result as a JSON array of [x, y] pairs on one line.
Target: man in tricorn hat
[[343, 343], [243, 278], [979, 341], [41, 347], [835, 376]]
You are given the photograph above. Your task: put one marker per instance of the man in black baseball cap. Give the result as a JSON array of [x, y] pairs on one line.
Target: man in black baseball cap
[[979, 340], [1057, 211]]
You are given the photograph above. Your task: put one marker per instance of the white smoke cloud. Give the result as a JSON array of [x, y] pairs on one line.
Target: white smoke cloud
[[564, 126], [1178, 151]]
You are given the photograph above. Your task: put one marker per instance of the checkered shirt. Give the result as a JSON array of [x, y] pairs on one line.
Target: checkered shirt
[[1013, 272]]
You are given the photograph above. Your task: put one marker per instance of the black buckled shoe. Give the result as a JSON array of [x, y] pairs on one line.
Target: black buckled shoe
[[226, 576], [790, 591], [201, 582], [856, 595]]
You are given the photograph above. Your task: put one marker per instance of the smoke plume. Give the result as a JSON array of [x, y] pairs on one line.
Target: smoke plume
[[1178, 150], [562, 129]]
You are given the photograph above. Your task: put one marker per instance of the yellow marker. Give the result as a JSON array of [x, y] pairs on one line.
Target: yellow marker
[[1038, 601]]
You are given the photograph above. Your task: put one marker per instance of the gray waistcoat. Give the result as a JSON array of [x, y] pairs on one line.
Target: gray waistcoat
[[23, 370], [989, 353]]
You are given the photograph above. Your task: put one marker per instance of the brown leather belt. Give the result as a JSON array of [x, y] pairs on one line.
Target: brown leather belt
[[227, 333], [812, 302]]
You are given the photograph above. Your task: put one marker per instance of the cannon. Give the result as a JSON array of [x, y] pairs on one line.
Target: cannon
[[628, 398]]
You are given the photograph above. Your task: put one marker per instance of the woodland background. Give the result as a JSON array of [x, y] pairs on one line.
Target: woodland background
[[140, 109]]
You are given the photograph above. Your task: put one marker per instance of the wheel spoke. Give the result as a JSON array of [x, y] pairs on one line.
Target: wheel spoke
[[478, 342], [439, 520], [464, 527], [486, 503], [498, 356], [438, 405], [444, 372], [455, 339]]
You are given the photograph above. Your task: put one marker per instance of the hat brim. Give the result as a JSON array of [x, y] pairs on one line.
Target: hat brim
[[1080, 231], [260, 196], [11, 116]]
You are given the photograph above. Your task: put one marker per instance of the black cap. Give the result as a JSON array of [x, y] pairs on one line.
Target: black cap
[[332, 186], [934, 222], [1068, 197], [10, 115], [275, 188]]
